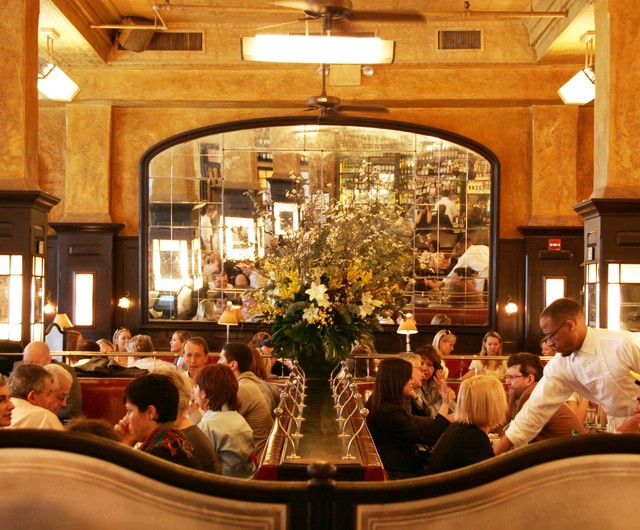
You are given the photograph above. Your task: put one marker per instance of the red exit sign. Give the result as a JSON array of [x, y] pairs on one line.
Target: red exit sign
[[554, 245]]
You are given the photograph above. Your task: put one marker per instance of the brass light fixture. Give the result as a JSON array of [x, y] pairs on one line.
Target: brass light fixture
[[408, 327], [125, 301], [228, 318], [511, 308]]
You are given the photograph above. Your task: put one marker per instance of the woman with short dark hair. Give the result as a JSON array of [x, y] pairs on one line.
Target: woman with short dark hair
[[152, 408]]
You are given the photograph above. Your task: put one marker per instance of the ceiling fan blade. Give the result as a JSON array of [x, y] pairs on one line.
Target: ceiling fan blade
[[362, 108], [386, 16], [292, 4]]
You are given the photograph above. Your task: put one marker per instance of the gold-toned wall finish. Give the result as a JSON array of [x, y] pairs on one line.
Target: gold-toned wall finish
[[617, 171], [289, 87], [555, 145], [506, 131], [585, 153], [18, 95], [491, 105], [86, 197], [52, 151]]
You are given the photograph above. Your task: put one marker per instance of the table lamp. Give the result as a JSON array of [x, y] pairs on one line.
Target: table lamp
[[408, 327], [228, 318], [63, 321]]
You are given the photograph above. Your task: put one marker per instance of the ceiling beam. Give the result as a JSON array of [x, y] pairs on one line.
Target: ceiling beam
[[81, 14]]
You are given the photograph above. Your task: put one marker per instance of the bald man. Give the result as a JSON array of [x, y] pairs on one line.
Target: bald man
[[38, 352]]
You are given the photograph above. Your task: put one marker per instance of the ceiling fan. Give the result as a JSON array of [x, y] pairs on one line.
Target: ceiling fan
[[326, 104], [331, 11]]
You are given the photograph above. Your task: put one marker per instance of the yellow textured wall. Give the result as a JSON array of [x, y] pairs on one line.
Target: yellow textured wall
[[52, 148], [493, 106], [505, 131]]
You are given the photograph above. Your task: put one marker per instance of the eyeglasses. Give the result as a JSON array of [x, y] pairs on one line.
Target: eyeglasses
[[446, 332], [512, 377], [551, 335]]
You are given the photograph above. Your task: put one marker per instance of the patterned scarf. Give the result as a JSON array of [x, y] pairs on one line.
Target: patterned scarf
[[167, 436]]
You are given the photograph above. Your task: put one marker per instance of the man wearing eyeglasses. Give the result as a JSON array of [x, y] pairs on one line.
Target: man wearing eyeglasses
[[595, 363], [524, 372]]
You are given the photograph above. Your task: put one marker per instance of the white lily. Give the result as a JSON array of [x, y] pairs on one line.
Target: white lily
[[368, 304], [317, 293], [310, 314]]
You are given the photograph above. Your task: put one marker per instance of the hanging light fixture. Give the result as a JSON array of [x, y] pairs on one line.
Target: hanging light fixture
[[53, 83], [581, 88], [317, 49]]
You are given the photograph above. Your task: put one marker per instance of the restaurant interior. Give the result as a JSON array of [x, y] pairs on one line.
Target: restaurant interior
[[177, 157]]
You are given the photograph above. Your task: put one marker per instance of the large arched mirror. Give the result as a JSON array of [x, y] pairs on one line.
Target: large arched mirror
[[201, 230]]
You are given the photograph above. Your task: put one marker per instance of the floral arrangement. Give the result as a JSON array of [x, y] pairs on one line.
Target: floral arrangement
[[331, 280]]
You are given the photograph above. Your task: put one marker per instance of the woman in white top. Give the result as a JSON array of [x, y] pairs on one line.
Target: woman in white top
[[216, 392], [491, 345]]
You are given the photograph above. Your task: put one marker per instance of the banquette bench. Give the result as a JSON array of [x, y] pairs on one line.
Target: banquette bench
[[68, 480]]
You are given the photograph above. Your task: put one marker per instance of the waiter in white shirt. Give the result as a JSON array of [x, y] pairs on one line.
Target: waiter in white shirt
[[593, 362]]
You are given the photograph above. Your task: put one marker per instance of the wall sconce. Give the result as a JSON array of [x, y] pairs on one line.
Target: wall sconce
[[228, 318], [62, 320], [53, 83], [408, 327], [125, 301], [511, 307], [49, 306], [581, 88]]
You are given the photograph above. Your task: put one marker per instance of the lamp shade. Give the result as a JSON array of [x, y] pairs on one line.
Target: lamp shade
[[317, 49], [63, 321], [580, 89], [408, 326], [228, 318]]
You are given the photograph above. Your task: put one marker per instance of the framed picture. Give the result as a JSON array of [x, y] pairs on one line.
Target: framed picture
[[286, 217], [240, 238]]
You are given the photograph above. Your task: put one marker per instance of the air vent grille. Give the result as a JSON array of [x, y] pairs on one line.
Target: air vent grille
[[169, 41], [460, 40]]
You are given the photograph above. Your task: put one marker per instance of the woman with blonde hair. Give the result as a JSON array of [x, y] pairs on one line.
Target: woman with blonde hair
[[444, 343], [121, 338], [491, 345], [482, 406]]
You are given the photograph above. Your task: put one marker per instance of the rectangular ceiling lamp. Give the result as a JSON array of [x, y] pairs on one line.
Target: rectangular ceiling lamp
[[56, 85], [580, 89], [317, 49]]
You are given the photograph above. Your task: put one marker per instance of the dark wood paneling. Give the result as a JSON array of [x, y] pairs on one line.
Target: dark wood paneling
[[511, 274], [541, 263], [86, 248]]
